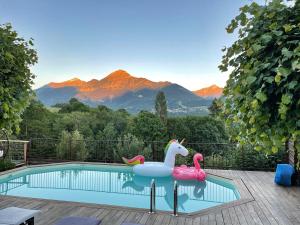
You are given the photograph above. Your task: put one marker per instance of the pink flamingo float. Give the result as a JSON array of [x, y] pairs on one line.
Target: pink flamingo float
[[190, 173]]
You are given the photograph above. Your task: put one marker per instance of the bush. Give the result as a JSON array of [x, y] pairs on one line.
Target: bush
[[6, 165], [72, 146], [245, 158], [130, 146], [188, 160]]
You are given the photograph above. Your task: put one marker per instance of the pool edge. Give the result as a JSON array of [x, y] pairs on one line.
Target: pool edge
[[245, 194]]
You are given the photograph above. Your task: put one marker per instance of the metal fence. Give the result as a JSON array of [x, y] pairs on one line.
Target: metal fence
[[216, 155], [17, 150]]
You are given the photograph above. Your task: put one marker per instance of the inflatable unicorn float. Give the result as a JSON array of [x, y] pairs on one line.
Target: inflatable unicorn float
[[167, 168]]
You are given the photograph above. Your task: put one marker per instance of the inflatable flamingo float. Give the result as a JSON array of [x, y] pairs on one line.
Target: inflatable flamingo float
[[190, 173]]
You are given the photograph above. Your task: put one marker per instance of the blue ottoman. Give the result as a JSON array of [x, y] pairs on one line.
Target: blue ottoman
[[283, 175]]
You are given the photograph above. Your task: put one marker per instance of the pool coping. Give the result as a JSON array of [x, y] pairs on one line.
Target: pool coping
[[245, 194]]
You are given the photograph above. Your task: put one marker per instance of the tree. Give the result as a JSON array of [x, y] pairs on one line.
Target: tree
[[148, 127], [72, 146], [161, 106], [263, 89], [16, 57], [37, 121], [215, 108], [129, 146], [72, 106]]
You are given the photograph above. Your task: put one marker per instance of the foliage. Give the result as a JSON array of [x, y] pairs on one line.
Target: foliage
[[297, 152], [130, 146], [247, 157], [244, 157], [81, 121], [188, 160], [197, 129], [35, 120], [6, 165], [72, 146], [16, 57], [148, 127], [161, 108], [110, 134], [263, 90], [216, 107], [73, 105]]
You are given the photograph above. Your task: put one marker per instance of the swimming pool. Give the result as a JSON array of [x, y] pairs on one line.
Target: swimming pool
[[114, 185]]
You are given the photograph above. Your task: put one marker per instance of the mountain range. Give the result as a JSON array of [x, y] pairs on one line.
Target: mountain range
[[122, 90]]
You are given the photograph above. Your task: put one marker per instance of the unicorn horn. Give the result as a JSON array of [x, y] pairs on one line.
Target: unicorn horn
[[182, 141]]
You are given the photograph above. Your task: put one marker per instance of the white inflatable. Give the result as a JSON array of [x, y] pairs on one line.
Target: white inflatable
[[159, 169]]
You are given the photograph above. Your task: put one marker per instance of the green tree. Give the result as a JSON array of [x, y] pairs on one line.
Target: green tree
[[16, 57], [36, 121], [72, 146], [263, 90], [72, 106], [129, 146], [108, 141], [63, 147], [148, 127], [161, 106], [81, 121], [216, 107]]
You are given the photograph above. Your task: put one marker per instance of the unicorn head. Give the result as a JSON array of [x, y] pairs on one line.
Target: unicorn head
[[173, 148]]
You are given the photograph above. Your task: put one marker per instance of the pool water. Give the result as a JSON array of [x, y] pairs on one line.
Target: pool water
[[114, 185]]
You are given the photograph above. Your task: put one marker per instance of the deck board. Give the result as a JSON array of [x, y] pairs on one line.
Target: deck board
[[272, 205]]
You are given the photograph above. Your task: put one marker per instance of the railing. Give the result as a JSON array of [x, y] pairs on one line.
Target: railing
[[17, 151], [152, 197], [175, 207], [216, 155]]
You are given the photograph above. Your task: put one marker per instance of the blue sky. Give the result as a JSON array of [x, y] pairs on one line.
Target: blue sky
[[175, 40]]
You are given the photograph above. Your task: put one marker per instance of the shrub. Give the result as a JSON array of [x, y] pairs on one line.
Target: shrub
[[72, 146], [188, 160], [130, 146], [6, 165]]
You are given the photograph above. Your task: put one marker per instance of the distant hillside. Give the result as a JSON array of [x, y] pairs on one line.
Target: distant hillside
[[179, 100], [122, 90], [210, 92]]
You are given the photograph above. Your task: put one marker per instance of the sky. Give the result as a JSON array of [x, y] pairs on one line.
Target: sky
[[162, 40]]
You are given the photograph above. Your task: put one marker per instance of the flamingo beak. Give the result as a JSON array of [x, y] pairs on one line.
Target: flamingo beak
[[182, 141]]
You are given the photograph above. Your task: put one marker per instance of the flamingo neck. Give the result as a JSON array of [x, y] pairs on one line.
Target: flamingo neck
[[196, 163]]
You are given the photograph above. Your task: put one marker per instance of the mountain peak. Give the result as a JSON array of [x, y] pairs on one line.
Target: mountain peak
[[74, 79], [76, 82], [213, 91], [119, 74]]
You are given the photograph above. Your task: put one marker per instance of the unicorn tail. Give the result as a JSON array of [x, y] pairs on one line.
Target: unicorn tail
[[139, 159]]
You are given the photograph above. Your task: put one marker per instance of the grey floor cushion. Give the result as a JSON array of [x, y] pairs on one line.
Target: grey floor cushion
[[73, 220], [16, 216]]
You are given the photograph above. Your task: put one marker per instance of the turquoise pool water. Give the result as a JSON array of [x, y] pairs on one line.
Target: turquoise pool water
[[114, 185]]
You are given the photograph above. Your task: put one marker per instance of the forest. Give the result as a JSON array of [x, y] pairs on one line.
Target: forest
[[75, 131]]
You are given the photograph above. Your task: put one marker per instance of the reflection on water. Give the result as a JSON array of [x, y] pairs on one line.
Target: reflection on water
[[116, 187]]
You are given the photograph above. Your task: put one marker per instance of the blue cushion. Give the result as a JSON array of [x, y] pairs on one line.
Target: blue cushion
[[283, 175], [73, 220]]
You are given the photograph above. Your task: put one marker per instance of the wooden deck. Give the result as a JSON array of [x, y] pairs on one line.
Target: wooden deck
[[271, 204]]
